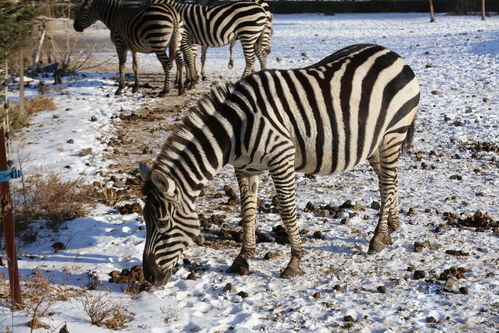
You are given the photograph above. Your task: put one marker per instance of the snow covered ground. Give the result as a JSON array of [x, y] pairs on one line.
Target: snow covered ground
[[456, 62]]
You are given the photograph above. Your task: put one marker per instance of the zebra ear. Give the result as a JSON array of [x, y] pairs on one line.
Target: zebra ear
[[163, 183], [145, 172]]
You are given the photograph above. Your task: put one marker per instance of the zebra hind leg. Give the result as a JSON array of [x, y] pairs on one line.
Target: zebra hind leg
[[384, 163], [283, 176], [249, 56], [122, 61], [135, 66], [166, 62], [248, 187]]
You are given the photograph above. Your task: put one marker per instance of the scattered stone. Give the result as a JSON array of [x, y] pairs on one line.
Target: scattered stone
[[130, 209], [457, 272], [271, 255], [128, 276], [486, 100], [358, 207], [381, 289], [279, 59], [85, 152], [345, 220], [304, 54], [450, 283], [429, 66], [458, 253], [436, 92], [419, 274], [375, 205], [338, 288], [93, 118], [230, 288], [318, 235], [349, 318], [316, 295], [431, 319], [243, 294], [192, 275], [70, 141], [58, 246], [480, 221], [464, 290], [458, 123]]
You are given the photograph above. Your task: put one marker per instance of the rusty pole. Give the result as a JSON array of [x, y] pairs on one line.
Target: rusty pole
[[9, 229]]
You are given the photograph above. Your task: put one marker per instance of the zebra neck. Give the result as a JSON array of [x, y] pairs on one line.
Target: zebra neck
[[108, 12]]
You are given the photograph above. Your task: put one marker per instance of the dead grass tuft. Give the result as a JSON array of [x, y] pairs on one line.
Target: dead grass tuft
[[103, 312], [50, 198], [19, 120]]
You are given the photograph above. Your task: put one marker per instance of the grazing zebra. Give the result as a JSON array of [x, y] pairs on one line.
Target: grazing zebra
[[218, 26], [263, 43], [357, 104], [144, 29]]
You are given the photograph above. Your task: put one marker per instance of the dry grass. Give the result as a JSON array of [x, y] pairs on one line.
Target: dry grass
[[50, 198], [19, 120], [37, 290], [103, 312]]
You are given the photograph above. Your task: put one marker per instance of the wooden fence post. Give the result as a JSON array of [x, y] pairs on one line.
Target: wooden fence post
[[9, 229]]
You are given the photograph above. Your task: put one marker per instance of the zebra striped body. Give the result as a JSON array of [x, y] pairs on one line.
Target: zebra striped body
[[219, 25], [357, 104], [144, 29], [263, 43]]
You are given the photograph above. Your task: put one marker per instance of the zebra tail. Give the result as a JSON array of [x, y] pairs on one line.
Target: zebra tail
[[409, 138]]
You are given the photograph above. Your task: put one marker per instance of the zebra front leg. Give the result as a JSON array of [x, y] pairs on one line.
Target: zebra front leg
[[166, 62], [384, 163], [283, 176], [122, 61], [248, 187], [135, 67]]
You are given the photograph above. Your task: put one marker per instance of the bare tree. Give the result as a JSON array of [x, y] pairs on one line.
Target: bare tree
[[432, 12], [483, 10]]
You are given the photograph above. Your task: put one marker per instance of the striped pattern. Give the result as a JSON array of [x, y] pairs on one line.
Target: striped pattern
[[357, 104], [219, 25], [144, 29], [262, 47]]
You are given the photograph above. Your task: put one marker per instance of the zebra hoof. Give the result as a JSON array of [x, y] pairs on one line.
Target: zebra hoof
[[292, 270], [378, 243], [239, 266]]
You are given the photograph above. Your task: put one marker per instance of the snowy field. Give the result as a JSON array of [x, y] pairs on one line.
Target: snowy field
[[456, 61]]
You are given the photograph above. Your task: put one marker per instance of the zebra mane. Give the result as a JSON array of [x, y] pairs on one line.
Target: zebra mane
[[207, 104]]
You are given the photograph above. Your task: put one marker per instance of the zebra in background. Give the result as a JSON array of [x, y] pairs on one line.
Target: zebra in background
[[145, 29], [219, 25], [263, 43], [357, 104]]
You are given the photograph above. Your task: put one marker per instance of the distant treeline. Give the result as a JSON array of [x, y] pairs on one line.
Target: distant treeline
[[458, 7]]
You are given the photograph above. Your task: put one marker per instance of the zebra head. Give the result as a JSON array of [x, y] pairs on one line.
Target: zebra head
[[85, 15], [171, 225]]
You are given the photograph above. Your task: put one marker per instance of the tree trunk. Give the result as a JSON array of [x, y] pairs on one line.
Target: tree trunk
[[483, 10], [432, 12]]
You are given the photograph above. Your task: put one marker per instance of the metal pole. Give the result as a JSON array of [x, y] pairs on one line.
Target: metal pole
[[9, 230]]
